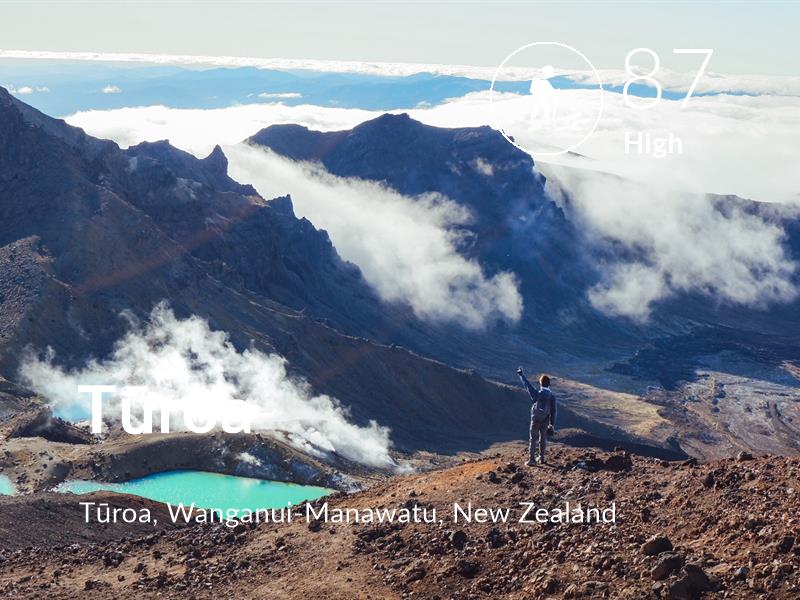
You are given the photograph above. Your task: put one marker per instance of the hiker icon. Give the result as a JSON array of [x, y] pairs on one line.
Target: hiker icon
[[544, 98], [555, 108]]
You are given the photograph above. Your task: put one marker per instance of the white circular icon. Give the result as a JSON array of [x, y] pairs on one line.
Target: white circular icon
[[546, 121]]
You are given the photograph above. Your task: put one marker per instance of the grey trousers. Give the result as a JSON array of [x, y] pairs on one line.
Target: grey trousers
[[540, 430]]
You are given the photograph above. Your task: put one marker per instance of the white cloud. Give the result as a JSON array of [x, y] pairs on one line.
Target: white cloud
[[280, 95], [406, 247], [657, 207], [198, 130], [249, 459], [682, 244], [183, 363], [483, 166], [283, 64], [111, 89], [26, 90]]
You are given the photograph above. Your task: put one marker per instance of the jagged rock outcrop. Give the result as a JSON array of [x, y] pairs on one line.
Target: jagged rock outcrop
[[515, 227], [40, 422]]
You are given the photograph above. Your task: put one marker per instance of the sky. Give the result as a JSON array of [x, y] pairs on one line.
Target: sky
[[748, 37]]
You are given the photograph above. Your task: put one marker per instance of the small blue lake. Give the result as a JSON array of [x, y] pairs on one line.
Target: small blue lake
[[206, 490], [6, 487]]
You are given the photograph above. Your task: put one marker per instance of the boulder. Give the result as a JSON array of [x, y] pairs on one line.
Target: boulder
[[697, 579], [656, 545], [667, 564], [467, 568], [458, 539], [680, 590]]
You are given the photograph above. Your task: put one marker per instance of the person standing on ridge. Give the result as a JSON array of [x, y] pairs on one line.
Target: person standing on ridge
[[543, 415]]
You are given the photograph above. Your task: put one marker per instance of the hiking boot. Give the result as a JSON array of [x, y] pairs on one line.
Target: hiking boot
[[539, 460], [530, 463]]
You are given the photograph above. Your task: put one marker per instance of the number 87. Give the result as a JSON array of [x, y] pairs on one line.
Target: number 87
[[648, 77]]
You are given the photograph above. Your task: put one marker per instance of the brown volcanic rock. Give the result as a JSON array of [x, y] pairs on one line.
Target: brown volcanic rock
[[656, 545], [40, 422], [725, 542]]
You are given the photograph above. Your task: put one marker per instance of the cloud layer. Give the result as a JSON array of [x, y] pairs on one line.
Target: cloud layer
[[185, 364], [198, 130], [406, 247], [738, 145], [681, 244]]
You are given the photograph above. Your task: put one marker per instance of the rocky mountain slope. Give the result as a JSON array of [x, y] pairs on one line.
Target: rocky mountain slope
[[88, 231], [517, 227], [727, 529], [83, 221]]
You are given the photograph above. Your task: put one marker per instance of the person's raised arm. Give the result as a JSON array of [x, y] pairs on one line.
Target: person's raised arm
[[526, 383]]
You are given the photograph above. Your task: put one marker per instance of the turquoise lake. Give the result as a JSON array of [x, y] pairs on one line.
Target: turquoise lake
[[206, 490], [6, 487]]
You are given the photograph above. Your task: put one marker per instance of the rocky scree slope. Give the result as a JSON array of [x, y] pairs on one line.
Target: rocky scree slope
[[727, 529]]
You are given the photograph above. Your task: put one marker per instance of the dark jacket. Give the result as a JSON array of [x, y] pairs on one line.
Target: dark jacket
[[541, 395]]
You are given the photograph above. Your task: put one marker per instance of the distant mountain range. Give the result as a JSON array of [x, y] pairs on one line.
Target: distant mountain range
[[65, 87], [80, 86]]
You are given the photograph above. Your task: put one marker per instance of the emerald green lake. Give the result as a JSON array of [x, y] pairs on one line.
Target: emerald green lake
[[6, 487], [206, 490]]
